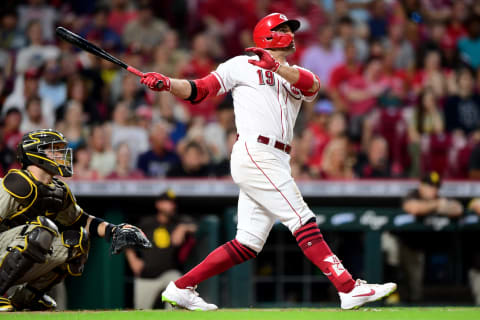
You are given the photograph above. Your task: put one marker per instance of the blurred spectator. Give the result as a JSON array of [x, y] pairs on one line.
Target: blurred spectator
[[322, 57], [33, 116], [81, 164], [319, 132], [378, 23], [144, 117], [123, 168], [145, 31], [200, 65], [99, 31], [336, 162], [425, 119], [346, 34], [474, 163], [396, 42], [224, 20], [216, 132], [123, 129], [172, 238], [178, 128], [168, 58], [11, 38], [11, 133], [7, 156], [301, 146], [121, 13], [73, 125], [103, 158], [462, 108], [36, 53], [311, 16], [341, 75], [131, 94], [78, 90], [4, 88], [420, 203], [19, 97], [375, 163], [361, 93], [469, 45], [194, 162], [38, 10], [430, 74], [222, 168], [456, 28], [51, 86], [158, 160]]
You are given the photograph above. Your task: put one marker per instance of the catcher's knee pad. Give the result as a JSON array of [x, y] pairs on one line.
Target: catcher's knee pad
[[14, 265], [78, 244], [250, 240], [38, 243]]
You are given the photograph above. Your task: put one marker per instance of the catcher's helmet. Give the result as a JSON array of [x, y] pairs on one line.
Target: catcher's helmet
[[264, 37], [33, 148]]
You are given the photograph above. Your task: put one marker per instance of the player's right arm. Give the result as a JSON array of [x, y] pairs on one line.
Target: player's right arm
[[218, 82], [191, 90]]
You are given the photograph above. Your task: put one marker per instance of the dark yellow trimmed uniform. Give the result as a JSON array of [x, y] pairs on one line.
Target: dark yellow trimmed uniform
[[27, 204]]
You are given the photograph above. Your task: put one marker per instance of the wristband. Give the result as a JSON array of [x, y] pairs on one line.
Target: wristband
[[108, 231], [93, 228], [305, 80]]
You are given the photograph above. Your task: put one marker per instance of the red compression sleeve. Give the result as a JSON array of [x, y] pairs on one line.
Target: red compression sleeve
[[207, 86], [305, 82]]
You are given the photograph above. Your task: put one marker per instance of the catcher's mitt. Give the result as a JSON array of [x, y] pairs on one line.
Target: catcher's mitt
[[125, 235]]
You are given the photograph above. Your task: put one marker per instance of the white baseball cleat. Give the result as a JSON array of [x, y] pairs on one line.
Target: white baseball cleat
[[185, 298], [364, 292]]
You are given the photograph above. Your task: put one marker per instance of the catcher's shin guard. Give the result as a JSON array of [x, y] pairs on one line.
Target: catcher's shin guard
[[20, 259], [14, 266]]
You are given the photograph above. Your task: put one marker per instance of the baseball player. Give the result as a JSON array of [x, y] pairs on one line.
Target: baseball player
[[44, 234], [267, 95]]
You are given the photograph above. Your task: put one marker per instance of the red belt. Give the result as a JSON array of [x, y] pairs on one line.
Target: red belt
[[277, 145]]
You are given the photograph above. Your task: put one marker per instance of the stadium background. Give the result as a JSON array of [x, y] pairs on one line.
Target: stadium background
[[358, 149]]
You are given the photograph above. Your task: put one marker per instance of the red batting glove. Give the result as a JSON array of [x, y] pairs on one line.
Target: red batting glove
[[156, 81], [266, 60]]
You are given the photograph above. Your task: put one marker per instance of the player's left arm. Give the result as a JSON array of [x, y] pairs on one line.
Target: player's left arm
[[302, 79], [121, 236]]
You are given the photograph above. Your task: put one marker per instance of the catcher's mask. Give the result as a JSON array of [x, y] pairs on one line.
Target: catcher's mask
[[48, 150]]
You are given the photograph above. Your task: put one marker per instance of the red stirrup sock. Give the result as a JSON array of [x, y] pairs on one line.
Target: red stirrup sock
[[218, 261], [316, 250]]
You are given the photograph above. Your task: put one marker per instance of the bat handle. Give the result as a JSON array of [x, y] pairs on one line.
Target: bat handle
[[135, 71], [140, 74]]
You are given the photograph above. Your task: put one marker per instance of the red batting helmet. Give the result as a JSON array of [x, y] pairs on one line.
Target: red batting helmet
[[265, 38]]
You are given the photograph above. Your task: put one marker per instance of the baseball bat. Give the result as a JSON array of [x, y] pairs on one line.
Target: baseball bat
[[86, 45]]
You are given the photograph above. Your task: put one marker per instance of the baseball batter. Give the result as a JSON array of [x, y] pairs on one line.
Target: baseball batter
[[44, 234], [267, 95]]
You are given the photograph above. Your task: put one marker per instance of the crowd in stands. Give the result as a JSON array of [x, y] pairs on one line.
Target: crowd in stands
[[400, 85]]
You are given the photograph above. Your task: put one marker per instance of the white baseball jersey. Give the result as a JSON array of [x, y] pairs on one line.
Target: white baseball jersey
[[268, 105], [264, 102]]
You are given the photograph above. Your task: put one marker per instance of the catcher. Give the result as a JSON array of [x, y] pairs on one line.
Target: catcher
[[44, 234]]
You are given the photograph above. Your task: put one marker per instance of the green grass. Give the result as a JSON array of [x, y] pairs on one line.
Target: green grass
[[261, 314]]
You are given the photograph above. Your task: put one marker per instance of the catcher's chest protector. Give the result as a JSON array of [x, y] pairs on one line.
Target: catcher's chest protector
[[34, 198]]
